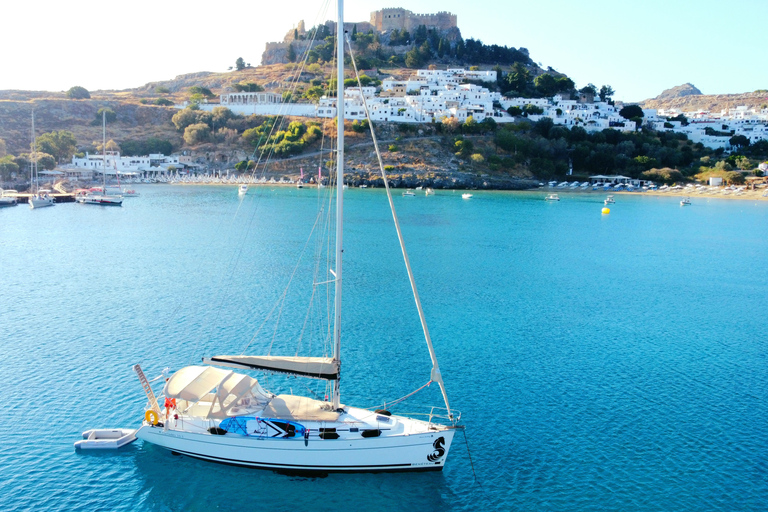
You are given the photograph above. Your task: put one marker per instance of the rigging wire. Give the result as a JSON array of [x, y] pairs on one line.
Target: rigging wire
[[435, 374]]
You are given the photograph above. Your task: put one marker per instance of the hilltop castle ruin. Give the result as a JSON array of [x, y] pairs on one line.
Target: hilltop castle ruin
[[384, 20], [399, 18]]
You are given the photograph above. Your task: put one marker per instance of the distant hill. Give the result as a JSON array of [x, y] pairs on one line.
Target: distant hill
[[687, 97], [679, 92]]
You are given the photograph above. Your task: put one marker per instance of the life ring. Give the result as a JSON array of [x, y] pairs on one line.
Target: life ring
[[151, 417]]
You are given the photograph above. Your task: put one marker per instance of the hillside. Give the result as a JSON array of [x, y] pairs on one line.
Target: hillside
[[688, 98]]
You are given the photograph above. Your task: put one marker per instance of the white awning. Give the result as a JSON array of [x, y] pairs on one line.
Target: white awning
[[194, 382], [312, 367]]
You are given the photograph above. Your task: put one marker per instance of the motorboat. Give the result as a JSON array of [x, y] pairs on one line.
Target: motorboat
[[243, 189], [408, 193], [552, 197], [466, 196], [6, 199], [429, 192], [685, 202], [609, 200]]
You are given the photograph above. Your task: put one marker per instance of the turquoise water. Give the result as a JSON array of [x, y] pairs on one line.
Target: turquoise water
[[601, 362]]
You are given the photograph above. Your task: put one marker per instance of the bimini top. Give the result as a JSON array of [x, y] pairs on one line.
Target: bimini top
[[194, 383], [314, 367]]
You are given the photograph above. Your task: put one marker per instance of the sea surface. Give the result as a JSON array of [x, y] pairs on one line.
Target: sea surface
[[600, 362]]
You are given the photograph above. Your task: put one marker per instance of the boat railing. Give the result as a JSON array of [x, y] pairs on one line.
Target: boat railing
[[436, 415]]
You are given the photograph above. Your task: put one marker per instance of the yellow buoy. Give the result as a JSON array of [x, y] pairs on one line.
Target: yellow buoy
[[606, 211]]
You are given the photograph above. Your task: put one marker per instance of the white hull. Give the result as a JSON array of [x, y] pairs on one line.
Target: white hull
[[101, 200], [410, 446], [40, 202], [382, 454]]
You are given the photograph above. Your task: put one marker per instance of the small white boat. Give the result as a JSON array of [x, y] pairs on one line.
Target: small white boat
[[685, 202], [40, 200], [129, 192], [363, 186], [106, 439], [243, 189], [408, 193], [609, 200], [429, 192], [552, 197], [299, 184], [466, 196], [6, 199]]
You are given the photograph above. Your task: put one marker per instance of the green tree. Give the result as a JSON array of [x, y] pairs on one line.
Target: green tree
[[104, 113], [291, 53], [631, 111], [546, 85], [44, 160], [196, 89], [78, 93], [184, 118], [196, 134], [60, 144], [3, 148], [163, 102], [589, 88], [606, 92], [7, 167], [240, 64], [739, 141]]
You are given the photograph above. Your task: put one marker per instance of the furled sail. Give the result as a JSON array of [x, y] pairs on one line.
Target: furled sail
[[313, 367]]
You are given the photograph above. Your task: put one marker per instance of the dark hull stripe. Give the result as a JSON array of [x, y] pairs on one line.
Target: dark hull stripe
[[297, 468]]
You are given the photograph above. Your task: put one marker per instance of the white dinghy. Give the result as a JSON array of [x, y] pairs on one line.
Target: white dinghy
[[106, 439]]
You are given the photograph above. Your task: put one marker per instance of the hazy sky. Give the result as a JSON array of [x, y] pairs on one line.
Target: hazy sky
[[639, 47]]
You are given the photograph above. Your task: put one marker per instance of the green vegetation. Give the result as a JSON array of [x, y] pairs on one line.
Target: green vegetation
[[152, 145], [78, 93], [60, 144], [247, 87], [293, 140], [240, 64], [105, 113], [547, 150]]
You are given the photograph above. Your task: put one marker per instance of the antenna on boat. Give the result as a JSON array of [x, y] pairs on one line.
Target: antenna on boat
[[339, 191]]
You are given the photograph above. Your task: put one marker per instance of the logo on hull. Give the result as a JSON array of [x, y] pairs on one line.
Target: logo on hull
[[439, 450]]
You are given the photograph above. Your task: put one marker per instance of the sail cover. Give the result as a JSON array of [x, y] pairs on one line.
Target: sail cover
[[313, 367]]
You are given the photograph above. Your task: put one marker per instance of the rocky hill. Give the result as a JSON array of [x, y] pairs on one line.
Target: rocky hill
[[688, 98]]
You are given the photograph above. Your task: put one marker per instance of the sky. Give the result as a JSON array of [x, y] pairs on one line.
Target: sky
[[638, 47]]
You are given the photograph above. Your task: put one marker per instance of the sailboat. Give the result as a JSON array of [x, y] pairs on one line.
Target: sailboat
[[101, 197], [39, 199], [300, 183], [320, 177], [211, 412]]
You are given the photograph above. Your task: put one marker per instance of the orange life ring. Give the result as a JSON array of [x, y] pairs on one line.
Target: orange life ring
[[151, 417]]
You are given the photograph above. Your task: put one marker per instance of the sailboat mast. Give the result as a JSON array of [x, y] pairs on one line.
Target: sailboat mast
[[33, 169], [339, 190], [104, 150]]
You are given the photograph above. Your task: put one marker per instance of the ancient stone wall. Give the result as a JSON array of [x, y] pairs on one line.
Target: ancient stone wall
[[399, 18]]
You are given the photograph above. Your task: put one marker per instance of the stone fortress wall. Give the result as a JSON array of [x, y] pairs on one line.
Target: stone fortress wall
[[381, 21], [399, 18]]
